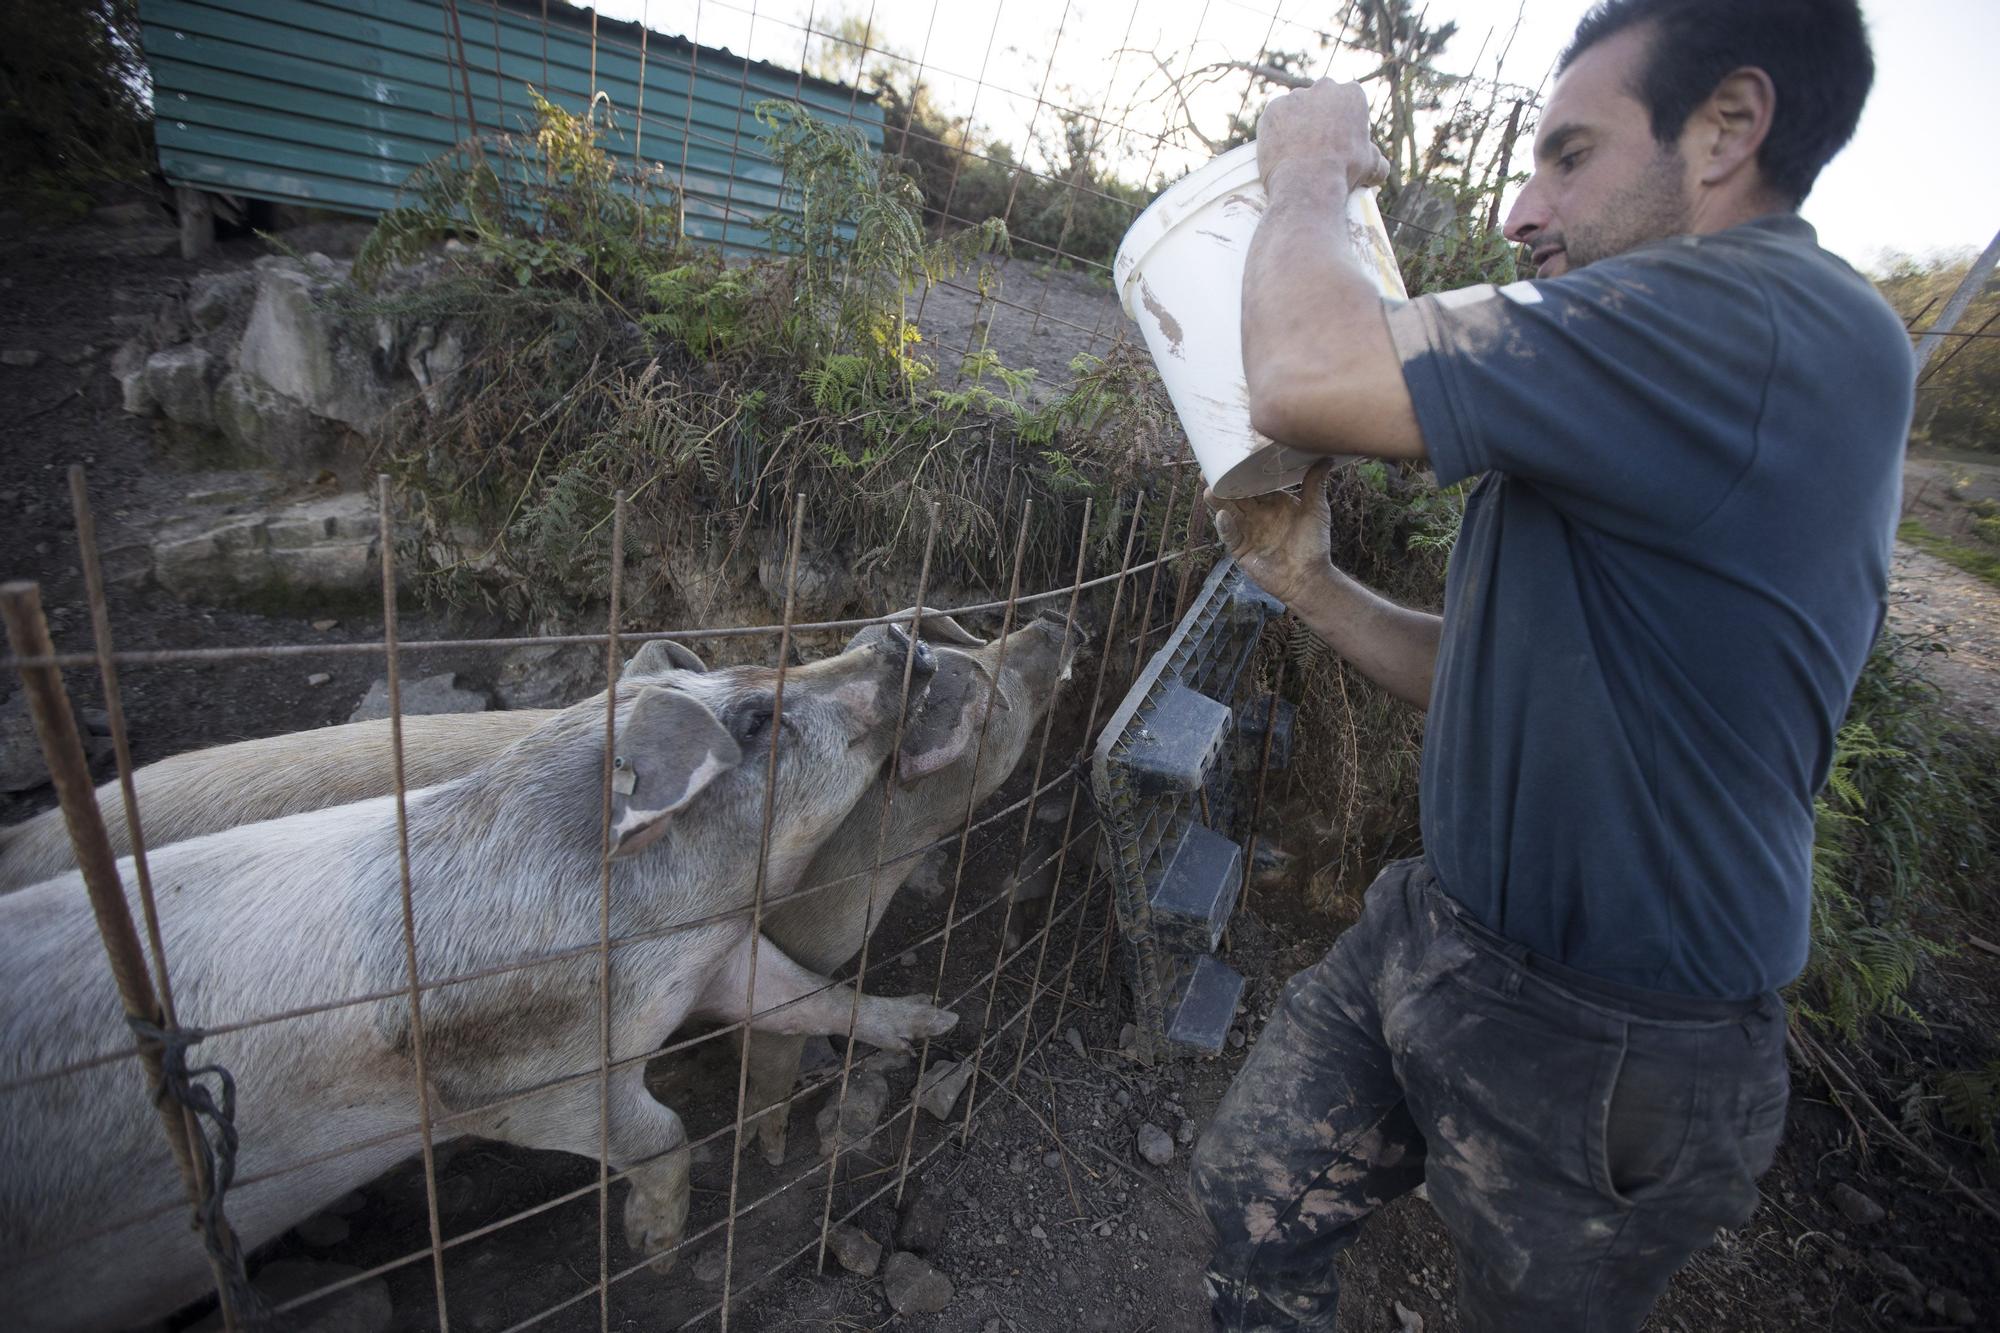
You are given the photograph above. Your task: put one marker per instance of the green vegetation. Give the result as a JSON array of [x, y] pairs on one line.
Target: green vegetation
[[609, 353], [1958, 401], [1971, 558], [1908, 830]]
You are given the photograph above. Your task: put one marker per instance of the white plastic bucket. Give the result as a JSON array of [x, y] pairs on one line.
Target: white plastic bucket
[[1179, 273]]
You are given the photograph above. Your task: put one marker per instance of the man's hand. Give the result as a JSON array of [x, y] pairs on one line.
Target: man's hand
[[1284, 542], [1325, 126]]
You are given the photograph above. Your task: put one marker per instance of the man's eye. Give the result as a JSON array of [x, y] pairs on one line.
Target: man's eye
[[1567, 162]]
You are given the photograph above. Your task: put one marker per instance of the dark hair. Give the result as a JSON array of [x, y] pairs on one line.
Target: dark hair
[[1816, 52]]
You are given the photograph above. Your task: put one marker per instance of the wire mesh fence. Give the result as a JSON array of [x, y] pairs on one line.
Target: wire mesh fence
[[1015, 983]]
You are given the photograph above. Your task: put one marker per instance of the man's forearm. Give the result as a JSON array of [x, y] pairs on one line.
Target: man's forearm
[[1323, 375], [1392, 645]]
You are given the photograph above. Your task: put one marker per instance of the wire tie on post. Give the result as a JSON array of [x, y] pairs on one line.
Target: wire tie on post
[[218, 1156]]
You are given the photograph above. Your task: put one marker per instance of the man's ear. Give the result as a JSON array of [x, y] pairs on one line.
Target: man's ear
[[1735, 121], [669, 747], [656, 657], [944, 727]]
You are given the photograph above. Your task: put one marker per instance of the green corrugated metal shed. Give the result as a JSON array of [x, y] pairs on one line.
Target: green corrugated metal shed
[[332, 103]]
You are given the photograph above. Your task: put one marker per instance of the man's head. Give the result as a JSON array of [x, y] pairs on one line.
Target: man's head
[[1682, 116]]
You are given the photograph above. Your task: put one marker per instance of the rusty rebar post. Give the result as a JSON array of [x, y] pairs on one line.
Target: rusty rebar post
[[1075, 794], [1264, 761], [891, 776], [385, 539], [199, 1183], [611, 665], [1153, 579], [757, 893], [1187, 555], [69, 770]]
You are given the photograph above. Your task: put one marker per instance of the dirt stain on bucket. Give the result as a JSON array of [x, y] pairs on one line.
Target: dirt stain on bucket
[[1168, 324]]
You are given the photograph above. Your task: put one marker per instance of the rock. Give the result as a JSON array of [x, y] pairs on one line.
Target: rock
[[322, 1230], [319, 547], [177, 379], [1884, 1266], [324, 625], [361, 1308], [1952, 1307], [434, 358], [1052, 1159], [318, 678], [856, 1250], [268, 427], [548, 675], [708, 1268], [298, 347], [826, 584], [1154, 1144], [1037, 1233], [128, 367], [913, 1286], [21, 357], [842, 1125], [1185, 1134], [21, 766], [432, 694], [1407, 1320], [923, 1224], [216, 298], [1075, 1040], [942, 1084], [1236, 1039], [1127, 1035], [1855, 1206]]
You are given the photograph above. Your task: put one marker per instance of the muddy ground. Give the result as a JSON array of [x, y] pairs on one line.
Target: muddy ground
[[1046, 1220]]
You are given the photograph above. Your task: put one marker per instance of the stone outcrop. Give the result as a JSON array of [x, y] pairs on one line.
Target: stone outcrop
[[313, 550]]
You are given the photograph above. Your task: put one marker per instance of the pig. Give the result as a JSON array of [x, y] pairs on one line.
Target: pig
[[825, 929], [216, 788], [505, 864]]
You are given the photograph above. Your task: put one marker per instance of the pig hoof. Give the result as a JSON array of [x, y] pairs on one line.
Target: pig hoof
[[654, 1230], [771, 1138], [922, 1019]]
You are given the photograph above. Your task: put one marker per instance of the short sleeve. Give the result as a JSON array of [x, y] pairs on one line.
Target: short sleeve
[[1630, 391]]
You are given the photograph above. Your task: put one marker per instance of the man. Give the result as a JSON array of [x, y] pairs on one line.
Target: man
[[1690, 425]]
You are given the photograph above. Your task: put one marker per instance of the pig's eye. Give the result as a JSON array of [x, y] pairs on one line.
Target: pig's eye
[[750, 720]]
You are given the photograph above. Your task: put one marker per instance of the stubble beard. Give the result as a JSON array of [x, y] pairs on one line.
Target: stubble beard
[[1655, 208]]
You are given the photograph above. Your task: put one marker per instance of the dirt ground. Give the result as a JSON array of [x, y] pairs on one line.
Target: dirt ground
[[1046, 1220]]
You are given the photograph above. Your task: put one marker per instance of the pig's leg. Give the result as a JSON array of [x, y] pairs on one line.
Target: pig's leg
[[799, 1003], [774, 1072], [645, 1136]]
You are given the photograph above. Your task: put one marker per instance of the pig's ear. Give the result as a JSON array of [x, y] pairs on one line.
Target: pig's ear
[[656, 657], [945, 727], [669, 747], [941, 628]]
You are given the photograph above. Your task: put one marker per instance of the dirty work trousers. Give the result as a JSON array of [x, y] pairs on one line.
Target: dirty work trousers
[[1580, 1139]]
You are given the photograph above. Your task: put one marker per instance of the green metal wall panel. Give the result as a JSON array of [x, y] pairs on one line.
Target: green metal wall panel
[[333, 103]]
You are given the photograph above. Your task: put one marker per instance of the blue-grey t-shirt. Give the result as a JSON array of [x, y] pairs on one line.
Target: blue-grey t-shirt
[[1663, 593]]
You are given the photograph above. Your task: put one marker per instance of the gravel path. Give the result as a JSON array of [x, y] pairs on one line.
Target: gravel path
[[1959, 612]]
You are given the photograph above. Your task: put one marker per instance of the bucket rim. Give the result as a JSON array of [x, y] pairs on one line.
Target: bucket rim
[[1217, 176]]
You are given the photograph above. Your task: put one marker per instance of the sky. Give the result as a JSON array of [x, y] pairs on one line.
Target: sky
[[1919, 176]]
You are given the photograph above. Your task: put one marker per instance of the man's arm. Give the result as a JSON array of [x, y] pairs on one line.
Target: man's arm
[[1323, 373], [1283, 542]]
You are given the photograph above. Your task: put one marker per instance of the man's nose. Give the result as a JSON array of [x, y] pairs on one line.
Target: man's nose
[[1528, 215]]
